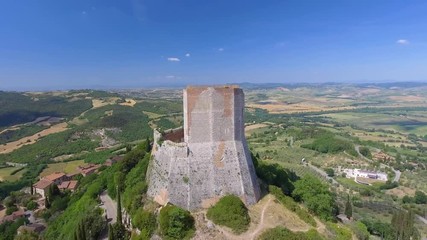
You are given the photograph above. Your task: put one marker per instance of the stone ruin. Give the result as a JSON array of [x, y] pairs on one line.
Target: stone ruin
[[194, 166]]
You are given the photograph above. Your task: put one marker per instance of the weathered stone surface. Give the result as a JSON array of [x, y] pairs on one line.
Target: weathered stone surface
[[213, 160]]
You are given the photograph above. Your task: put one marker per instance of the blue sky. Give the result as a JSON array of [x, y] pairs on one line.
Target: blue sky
[[53, 44]]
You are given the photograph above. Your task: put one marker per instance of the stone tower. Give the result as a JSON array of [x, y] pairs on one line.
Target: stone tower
[[195, 166]]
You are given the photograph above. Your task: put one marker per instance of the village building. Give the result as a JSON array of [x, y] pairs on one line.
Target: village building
[[68, 185], [12, 217], [71, 176], [42, 187], [56, 177], [88, 169], [113, 160], [358, 173]]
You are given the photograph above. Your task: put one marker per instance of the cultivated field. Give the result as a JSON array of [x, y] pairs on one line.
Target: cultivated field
[[5, 174], [12, 146], [66, 167]]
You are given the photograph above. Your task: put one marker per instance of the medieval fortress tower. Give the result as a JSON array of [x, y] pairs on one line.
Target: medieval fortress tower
[[194, 166]]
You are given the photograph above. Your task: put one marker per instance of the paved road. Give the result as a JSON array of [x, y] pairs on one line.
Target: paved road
[[323, 173], [110, 206], [422, 219]]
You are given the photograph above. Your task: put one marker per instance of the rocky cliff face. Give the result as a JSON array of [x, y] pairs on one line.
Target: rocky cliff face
[[213, 160]]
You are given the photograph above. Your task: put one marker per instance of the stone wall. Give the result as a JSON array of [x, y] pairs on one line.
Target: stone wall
[[213, 160]]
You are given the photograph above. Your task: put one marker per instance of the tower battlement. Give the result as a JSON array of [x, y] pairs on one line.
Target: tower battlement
[[213, 160]]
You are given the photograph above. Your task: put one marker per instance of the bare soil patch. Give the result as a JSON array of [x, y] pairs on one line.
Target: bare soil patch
[[129, 102], [277, 108], [255, 126], [401, 191], [12, 146]]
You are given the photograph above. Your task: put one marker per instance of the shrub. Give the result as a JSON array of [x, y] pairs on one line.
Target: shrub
[[230, 212], [176, 223], [339, 232], [144, 221], [420, 197], [316, 196], [360, 230], [278, 233], [11, 209], [31, 205], [290, 204], [365, 152]]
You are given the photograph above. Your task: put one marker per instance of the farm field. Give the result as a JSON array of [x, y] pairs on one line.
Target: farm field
[[12, 146], [5, 173], [66, 167], [386, 121]]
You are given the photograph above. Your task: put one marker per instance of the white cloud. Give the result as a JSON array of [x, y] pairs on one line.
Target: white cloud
[[187, 55], [84, 12], [173, 59], [220, 49], [170, 77], [402, 42]]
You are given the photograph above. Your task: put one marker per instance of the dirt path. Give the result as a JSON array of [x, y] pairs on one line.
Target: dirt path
[[267, 214], [16, 127], [12, 146], [261, 223]]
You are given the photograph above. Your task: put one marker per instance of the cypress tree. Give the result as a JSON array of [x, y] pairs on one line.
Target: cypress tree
[[31, 187], [348, 211], [46, 202], [147, 145], [119, 207], [82, 231], [110, 232]]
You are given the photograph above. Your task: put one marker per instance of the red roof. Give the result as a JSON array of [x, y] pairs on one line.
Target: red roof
[[12, 217], [68, 185], [54, 176], [42, 184]]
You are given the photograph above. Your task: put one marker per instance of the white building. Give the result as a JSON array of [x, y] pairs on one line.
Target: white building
[[354, 173]]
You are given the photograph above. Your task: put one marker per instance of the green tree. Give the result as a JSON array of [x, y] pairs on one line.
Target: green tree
[[348, 211], [110, 232], [53, 192], [365, 152], [118, 232], [360, 230], [94, 223], [81, 231], [407, 199], [144, 221], [31, 205], [176, 223], [330, 172], [420, 197], [119, 207], [316, 196], [403, 222], [31, 187]]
